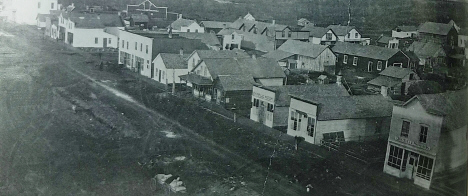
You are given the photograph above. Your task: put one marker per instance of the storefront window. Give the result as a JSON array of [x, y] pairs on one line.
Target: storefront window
[[395, 157], [424, 167]]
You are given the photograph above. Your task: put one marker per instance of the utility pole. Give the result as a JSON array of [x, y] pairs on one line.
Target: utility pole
[[173, 81]]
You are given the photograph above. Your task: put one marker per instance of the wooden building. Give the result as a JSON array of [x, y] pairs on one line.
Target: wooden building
[[321, 35], [439, 33], [392, 81], [428, 137]]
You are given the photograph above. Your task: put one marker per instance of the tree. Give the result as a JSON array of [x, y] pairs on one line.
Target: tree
[[424, 87]]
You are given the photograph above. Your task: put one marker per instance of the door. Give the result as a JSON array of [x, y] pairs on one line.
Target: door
[[152, 70], [261, 112], [159, 76], [410, 166], [403, 88], [104, 42]]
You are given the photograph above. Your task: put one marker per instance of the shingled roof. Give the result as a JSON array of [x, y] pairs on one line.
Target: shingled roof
[[221, 54], [316, 31], [426, 49], [385, 81], [95, 21], [341, 30], [435, 28], [278, 55], [373, 52], [350, 107], [303, 48], [207, 38], [140, 18], [282, 93], [406, 28], [174, 61], [215, 24], [181, 22], [451, 105], [396, 72], [235, 82]]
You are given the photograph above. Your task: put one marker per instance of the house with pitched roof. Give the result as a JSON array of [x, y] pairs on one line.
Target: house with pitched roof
[[288, 33], [198, 55], [439, 33], [369, 58], [431, 55], [349, 34], [392, 81], [321, 35], [231, 38], [168, 67], [205, 82], [388, 42], [270, 104], [138, 49], [427, 138], [405, 32], [308, 56], [207, 38], [185, 25], [336, 119], [214, 26], [41, 20], [87, 30]]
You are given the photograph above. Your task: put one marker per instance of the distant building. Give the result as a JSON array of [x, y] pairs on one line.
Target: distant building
[[428, 138], [439, 33], [88, 30], [185, 25], [304, 22], [26, 11], [148, 8], [349, 34], [309, 56], [324, 120], [405, 32], [214, 26], [320, 35], [388, 42], [270, 104], [231, 38], [372, 59], [290, 34], [392, 81], [141, 21], [431, 55]]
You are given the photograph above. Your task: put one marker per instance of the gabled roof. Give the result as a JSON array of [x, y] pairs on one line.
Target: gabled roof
[[223, 66], [451, 105], [435, 28], [163, 44], [221, 54], [140, 18], [174, 61], [236, 82], [282, 93], [350, 107], [229, 31], [384, 39], [427, 49], [369, 51], [207, 38], [396, 72], [94, 21], [303, 48], [261, 67], [278, 55], [316, 31], [406, 28], [215, 24], [341, 30], [181, 22], [385, 81]]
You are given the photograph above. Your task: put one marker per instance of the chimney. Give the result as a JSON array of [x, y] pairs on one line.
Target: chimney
[[273, 22], [181, 51], [338, 80]]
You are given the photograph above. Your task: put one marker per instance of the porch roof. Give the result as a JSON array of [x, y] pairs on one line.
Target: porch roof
[[196, 79]]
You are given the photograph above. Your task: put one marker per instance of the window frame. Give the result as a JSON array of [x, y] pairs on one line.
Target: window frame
[[96, 40], [395, 157], [423, 131], [379, 63], [370, 67], [345, 59], [424, 167], [405, 130], [355, 61]]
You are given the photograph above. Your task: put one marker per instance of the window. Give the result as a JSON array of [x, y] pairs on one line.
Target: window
[[379, 65], [52, 6], [369, 66], [395, 157], [162, 75], [294, 118], [310, 126], [329, 36], [405, 127], [283, 34], [110, 41], [356, 35], [136, 46], [38, 4], [289, 34], [127, 44], [355, 61], [423, 134], [188, 30], [227, 100], [96, 40], [270, 107], [424, 167], [255, 102], [398, 64], [232, 36], [349, 35], [141, 46], [345, 59], [146, 49]]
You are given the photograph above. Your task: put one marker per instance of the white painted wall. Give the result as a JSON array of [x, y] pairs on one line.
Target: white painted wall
[[86, 38], [194, 28], [266, 97], [229, 40], [169, 73], [25, 11], [403, 34], [129, 39], [310, 110]]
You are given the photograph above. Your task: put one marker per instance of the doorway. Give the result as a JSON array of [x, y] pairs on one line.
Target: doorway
[[411, 164], [104, 42]]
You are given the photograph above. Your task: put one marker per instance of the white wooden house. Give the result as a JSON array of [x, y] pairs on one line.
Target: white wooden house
[[185, 25], [231, 38], [168, 67], [349, 34]]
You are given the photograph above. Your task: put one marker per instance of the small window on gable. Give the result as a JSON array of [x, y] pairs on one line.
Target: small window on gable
[[423, 134], [355, 59], [345, 59], [232, 36], [379, 65]]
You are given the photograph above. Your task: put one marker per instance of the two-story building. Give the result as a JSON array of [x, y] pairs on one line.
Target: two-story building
[[349, 34], [288, 33], [323, 120], [270, 104], [308, 56], [372, 59], [427, 137], [138, 49], [439, 33], [431, 55], [88, 30], [405, 32], [321, 35], [392, 81], [388, 42], [231, 38]]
